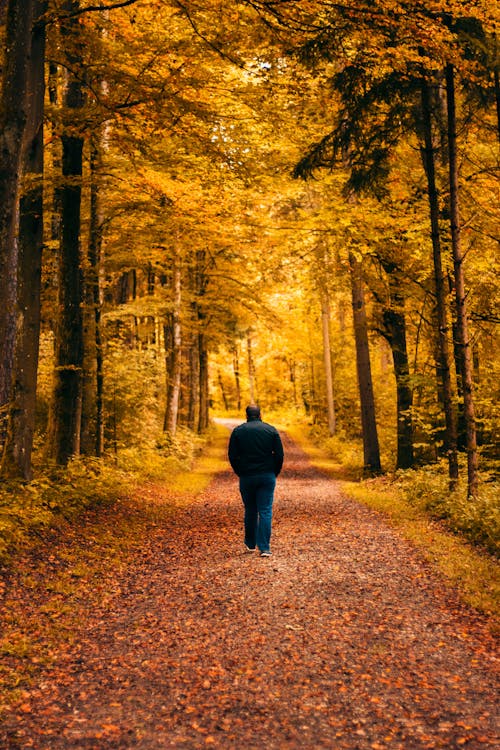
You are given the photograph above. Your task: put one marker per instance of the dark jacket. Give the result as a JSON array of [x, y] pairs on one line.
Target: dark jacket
[[255, 447]]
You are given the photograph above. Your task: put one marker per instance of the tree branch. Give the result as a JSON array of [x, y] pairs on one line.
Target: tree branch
[[102, 6]]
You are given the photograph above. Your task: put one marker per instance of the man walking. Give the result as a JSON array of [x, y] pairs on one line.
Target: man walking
[[256, 455]]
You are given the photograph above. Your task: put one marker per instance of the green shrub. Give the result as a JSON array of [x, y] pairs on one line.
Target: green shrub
[[164, 457], [339, 447], [478, 519], [26, 508]]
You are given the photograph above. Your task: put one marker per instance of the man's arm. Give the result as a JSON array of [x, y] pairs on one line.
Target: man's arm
[[278, 454], [233, 453]]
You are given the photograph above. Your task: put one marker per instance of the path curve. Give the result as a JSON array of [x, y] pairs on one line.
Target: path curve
[[342, 639]]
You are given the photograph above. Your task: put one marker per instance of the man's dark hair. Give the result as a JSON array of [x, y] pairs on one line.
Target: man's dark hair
[[253, 411]]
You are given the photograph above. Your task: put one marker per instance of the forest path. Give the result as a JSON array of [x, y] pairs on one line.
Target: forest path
[[342, 639]]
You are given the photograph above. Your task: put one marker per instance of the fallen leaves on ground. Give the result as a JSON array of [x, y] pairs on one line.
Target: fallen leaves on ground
[[144, 627]]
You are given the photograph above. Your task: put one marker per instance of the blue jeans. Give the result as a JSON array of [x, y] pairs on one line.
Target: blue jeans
[[257, 493]]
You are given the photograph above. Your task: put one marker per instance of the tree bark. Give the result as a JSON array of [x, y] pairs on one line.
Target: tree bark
[[175, 363], [293, 380], [204, 383], [236, 370], [222, 389], [497, 100], [251, 370], [459, 368], [439, 283], [93, 402], [16, 460], [55, 217], [327, 358], [463, 341], [395, 332], [67, 402], [13, 120], [371, 450], [194, 385]]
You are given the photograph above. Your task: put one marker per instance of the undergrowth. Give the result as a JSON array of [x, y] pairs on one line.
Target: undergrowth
[[57, 493], [460, 537], [27, 508], [426, 488], [476, 518]]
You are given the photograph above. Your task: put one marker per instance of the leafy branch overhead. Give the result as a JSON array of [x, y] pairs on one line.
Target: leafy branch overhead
[[183, 260]]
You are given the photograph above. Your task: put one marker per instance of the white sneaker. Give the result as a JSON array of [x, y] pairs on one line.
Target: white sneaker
[[265, 554]]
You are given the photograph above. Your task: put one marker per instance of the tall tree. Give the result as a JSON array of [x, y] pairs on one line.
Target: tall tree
[[460, 291], [371, 450], [14, 105], [174, 356], [442, 333], [67, 399], [93, 403], [18, 447], [327, 357], [394, 330]]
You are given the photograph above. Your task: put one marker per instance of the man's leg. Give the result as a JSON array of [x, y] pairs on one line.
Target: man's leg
[[248, 495], [265, 497]]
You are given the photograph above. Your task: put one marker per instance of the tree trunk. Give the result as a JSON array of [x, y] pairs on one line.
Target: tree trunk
[[251, 370], [194, 390], [55, 217], [67, 403], [13, 119], [175, 363], [204, 399], [463, 341], [497, 100], [223, 390], [309, 384], [236, 370], [93, 413], [293, 380], [16, 460], [327, 357], [395, 331], [168, 342], [459, 368], [441, 309], [371, 450]]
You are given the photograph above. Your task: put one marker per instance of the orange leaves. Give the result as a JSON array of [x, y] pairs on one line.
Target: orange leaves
[[110, 729], [203, 647]]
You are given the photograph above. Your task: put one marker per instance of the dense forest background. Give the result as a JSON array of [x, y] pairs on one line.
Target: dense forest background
[[296, 204]]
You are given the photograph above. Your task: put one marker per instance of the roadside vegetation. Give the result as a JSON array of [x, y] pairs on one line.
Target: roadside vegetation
[[458, 536], [29, 509]]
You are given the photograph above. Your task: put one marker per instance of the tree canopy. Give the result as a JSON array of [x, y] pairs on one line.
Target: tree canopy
[[290, 203]]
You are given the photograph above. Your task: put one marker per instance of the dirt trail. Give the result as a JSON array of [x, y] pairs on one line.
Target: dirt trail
[[342, 639]]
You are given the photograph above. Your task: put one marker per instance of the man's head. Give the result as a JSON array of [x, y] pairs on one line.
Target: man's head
[[253, 412]]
